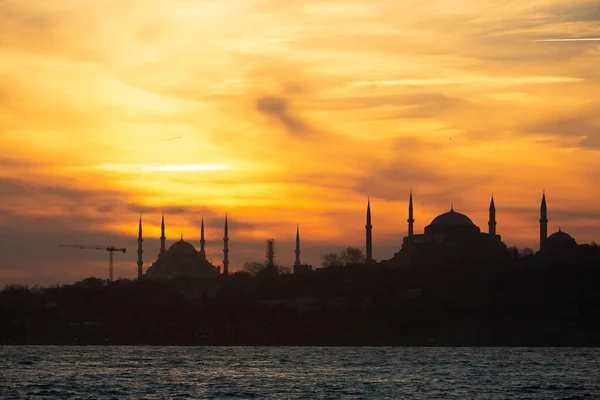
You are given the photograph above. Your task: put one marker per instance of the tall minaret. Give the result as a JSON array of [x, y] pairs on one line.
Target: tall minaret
[[410, 219], [202, 252], [492, 221], [226, 249], [162, 235], [369, 228], [140, 263], [543, 222], [297, 263]]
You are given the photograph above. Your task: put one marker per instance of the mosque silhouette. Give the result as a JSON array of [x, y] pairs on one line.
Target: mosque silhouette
[[452, 236]]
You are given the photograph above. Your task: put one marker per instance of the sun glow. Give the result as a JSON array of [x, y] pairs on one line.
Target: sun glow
[[163, 168], [185, 167]]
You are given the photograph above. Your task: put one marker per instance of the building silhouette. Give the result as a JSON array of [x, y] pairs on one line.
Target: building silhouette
[[180, 260], [450, 236], [454, 236], [543, 222], [299, 268], [559, 243], [369, 231], [270, 253], [297, 251], [140, 251], [226, 249]]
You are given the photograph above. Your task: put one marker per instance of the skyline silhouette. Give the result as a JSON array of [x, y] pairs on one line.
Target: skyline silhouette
[[458, 228], [384, 244]]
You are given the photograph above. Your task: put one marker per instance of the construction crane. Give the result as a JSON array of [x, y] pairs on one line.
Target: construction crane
[[110, 249]]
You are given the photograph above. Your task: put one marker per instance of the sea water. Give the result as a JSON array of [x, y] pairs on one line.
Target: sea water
[[298, 372]]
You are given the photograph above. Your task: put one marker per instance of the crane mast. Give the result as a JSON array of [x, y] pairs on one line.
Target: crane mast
[[111, 261]]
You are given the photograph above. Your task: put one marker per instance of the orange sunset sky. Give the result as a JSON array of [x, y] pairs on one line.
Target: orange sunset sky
[[285, 112]]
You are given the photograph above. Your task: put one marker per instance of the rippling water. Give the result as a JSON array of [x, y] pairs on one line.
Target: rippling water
[[299, 372]]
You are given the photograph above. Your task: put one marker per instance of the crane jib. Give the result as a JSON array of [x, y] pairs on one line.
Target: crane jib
[[110, 249]]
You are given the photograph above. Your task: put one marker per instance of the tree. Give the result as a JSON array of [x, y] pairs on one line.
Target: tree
[[352, 256], [348, 256], [90, 283], [526, 252], [281, 270], [332, 260], [253, 267]]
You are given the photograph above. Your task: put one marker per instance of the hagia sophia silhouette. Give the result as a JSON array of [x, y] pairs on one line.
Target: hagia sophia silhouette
[[450, 236]]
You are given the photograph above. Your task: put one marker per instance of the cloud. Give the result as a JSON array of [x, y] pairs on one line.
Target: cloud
[[583, 11], [12, 163], [581, 125], [35, 195], [573, 39], [416, 167], [278, 109], [474, 80], [559, 213]]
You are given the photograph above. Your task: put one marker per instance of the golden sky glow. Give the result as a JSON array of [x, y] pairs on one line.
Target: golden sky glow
[[289, 112]]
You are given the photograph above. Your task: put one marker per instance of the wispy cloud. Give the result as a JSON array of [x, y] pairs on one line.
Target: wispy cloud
[[581, 39], [475, 80], [171, 139], [278, 108]]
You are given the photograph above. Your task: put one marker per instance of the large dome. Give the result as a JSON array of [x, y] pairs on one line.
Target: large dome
[[560, 239], [181, 247], [452, 218]]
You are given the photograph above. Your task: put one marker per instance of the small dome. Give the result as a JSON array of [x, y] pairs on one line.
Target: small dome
[[452, 218], [181, 247], [561, 239]]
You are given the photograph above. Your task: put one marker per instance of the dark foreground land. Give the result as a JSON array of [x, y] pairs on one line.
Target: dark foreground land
[[520, 303]]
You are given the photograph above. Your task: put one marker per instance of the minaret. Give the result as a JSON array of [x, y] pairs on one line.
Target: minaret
[[226, 249], [543, 222], [140, 263], [492, 221], [369, 228], [410, 219], [297, 263], [202, 239], [162, 235]]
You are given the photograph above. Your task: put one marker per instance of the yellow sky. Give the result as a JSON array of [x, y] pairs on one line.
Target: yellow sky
[[291, 112]]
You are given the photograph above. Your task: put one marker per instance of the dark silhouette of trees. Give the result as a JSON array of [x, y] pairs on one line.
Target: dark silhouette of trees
[[352, 256], [332, 260], [255, 268], [349, 256], [283, 270], [539, 300], [526, 252]]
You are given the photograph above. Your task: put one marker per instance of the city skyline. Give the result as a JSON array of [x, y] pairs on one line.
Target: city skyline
[[199, 243], [279, 115]]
